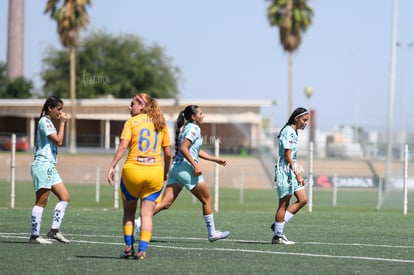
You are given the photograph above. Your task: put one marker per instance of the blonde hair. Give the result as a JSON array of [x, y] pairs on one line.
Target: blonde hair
[[152, 109]]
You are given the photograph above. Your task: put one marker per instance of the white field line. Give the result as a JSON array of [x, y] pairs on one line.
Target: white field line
[[6, 235]]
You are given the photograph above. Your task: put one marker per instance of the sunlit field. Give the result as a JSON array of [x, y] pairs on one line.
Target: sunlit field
[[351, 237]]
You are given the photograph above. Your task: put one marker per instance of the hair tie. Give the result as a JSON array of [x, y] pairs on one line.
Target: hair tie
[[301, 114], [141, 100]]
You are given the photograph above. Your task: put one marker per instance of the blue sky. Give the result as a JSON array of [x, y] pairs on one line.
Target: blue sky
[[227, 50]]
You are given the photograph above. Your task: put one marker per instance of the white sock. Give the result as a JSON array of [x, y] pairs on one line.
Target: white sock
[[279, 227], [211, 228], [60, 209], [288, 216], [37, 213]]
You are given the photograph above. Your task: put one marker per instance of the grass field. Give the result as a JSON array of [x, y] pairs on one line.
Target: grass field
[[351, 238]]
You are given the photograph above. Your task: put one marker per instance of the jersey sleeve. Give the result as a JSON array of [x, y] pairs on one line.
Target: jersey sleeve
[[127, 132], [47, 127], [193, 133], [166, 138], [288, 139]]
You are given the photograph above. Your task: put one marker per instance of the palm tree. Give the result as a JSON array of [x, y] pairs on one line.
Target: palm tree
[[71, 17], [292, 17]]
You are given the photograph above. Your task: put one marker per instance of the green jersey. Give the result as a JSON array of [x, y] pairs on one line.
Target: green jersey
[[46, 149]]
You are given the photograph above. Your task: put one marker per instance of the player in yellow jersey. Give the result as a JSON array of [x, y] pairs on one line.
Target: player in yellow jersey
[[143, 174]]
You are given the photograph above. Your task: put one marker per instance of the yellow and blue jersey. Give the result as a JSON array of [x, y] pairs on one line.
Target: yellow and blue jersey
[[145, 143], [143, 171]]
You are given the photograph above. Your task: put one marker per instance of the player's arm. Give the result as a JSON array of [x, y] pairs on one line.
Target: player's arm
[[184, 149], [57, 138], [123, 146], [204, 155], [291, 163], [167, 160]]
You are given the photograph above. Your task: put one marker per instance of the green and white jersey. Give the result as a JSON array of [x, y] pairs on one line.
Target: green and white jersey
[[192, 132], [46, 149], [288, 140]]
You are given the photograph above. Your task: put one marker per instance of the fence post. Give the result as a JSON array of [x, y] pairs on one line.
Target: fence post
[[216, 181], [405, 196], [13, 171], [334, 191], [241, 186], [310, 177], [380, 186], [116, 178], [97, 191]]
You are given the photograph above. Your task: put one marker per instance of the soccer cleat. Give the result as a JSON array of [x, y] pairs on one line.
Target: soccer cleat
[[129, 252], [281, 240], [218, 236], [57, 235], [140, 255], [38, 240]]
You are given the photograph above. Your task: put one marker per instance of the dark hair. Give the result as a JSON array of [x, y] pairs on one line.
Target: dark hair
[[183, 116], [52, 102], [298, 112]]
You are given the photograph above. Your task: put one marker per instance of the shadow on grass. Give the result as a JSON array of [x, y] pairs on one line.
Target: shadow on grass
[[174, 241], [97, 257], [253, 242], [16, 242]]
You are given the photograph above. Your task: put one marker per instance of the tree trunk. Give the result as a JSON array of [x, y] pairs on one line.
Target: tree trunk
[[72, 143], [15, 41], [291, 90]]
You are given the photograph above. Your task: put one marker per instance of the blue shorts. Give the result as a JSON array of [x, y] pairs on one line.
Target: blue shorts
[[286, 182], [183, 174], [44, 176]]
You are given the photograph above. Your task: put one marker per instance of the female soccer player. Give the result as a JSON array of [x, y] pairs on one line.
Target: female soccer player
[[287, 174], [144, 172], [186, 172], [44, 173]]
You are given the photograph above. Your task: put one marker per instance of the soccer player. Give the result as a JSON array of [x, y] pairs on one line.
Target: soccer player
[[44, 173], [287, 175], [186, 172], [143, 174]]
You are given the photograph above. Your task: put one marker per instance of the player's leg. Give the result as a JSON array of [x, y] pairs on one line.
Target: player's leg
[[281, 209], [279, 235], [63, 196], [202, 193], [41, 186], [284, 192], [150, 193], [301, 200], [131, 185], [146, 214], [42, 196], [129, 209], [170, 194]]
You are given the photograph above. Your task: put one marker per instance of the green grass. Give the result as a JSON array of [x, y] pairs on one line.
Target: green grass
[[351, 238]]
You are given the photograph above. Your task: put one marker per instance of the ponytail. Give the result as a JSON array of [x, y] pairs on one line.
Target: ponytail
[[152, 109], [183, 116]]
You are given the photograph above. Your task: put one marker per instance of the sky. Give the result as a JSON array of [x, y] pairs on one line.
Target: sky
[[226, 49]]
